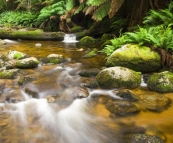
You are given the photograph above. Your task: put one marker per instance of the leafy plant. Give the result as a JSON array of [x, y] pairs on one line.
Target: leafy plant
[[56, 9], [97, 8], [154, 37], [16, 18], [162, 16]]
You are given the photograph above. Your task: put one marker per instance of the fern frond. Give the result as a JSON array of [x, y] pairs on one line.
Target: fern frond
[[70, 4], [91, 10], [80, 8], [95, 2], [101, 12]]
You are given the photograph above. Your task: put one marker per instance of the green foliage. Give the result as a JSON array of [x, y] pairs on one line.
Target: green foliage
[[52, 10], [101, 12], [16, 18], [70, 4], [162, 16], [154, 37]]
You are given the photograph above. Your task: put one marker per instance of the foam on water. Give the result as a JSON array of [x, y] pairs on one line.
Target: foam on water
[[73, 124]]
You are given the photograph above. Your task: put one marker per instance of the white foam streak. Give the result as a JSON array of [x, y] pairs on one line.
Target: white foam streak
[[70, 125]]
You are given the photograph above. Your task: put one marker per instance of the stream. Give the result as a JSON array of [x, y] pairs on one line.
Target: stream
[[27, 116]]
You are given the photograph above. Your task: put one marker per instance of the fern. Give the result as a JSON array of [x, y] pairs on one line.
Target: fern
[[70, 4], [163, 16], [95, 2], [101, 12], [80, 8]]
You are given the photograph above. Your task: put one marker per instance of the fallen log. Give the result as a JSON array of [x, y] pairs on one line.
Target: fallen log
[[30, 34]]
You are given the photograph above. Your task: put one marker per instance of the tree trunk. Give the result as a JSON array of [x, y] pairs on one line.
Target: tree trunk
[[141, 7]]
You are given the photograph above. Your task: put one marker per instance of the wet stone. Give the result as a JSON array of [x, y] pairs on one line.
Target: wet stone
[[144, 138], [89, 72], [122, 107]]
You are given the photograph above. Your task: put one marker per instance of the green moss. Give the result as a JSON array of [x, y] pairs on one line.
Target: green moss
[[138, 58], [92, 53], [26, 33], [18, 56], [28, 64], [87, 41], [161, 82], [76, 29], [7, 74], [55, 60]]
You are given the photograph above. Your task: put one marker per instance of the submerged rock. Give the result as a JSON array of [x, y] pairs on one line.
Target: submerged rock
[[122, 107], [161, 82], [135, 57], [118, 77], [146, 100], [144, 138]]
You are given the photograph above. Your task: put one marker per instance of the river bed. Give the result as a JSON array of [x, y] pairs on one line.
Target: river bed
[[69, 120]]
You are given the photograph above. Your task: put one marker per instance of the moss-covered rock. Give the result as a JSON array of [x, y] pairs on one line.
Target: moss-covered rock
[[105, 37], [161, 82], [87, 41], [76, 29], [91, 53], [31, 62], [135, 57], [108, 42], [12, 54], [54, 59], [118, 77], [8, 74], [2, 42]]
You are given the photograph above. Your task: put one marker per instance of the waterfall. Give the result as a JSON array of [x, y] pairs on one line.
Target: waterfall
[[70, 38]]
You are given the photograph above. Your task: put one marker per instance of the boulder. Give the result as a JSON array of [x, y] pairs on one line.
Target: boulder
[[161, 82], [2, 42], [135, 57], [87, 41], [91, 53], [146, 100], [8, 74], [12, 54], [31, 62], [54, 59], [118, 77], [122, 107]]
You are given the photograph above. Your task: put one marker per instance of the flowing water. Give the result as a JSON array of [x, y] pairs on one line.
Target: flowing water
[[32, 119]]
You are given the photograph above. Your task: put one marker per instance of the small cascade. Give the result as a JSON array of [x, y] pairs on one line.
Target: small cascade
[[70, 38]]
